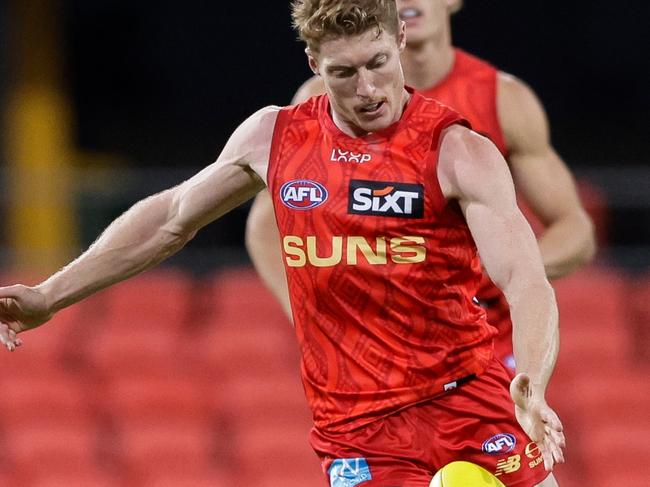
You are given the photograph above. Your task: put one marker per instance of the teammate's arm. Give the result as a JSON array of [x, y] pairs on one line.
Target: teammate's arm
[[543, 179], [472, 171], [262, 236], [312, 87], [152, 230]]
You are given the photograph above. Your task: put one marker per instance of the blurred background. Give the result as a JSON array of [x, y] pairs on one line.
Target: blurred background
[[188, 375]]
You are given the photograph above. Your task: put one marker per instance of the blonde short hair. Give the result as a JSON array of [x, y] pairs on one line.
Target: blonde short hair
[[320, 20]]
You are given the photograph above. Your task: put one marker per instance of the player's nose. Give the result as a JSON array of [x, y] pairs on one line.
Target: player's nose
[[365, 84]]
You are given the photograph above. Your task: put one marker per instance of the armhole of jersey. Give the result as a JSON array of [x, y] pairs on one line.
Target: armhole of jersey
[[439, 201], [272, 168]]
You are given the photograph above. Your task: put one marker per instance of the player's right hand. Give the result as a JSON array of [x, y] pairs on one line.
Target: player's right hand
[[538, 420], [21, 308]]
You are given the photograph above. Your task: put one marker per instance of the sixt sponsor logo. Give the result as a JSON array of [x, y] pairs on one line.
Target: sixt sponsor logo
[[303, 194], [381, 198], [348, 472], [499, 444], [339, 155]]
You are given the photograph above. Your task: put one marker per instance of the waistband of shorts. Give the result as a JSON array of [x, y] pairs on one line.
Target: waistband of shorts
[[450, 386]]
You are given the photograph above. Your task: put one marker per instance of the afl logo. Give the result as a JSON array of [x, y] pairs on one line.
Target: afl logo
[[499, 444], [303, 194]]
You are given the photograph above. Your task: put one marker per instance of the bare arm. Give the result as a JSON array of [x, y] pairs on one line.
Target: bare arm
[[544, 180], [262, 236], [312, 87], [472, 171], [152, 229], [264, 249]]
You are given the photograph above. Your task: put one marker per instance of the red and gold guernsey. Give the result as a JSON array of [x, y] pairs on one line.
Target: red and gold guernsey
[[382, 270]]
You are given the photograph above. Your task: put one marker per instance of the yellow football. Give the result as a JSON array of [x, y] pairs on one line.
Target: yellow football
[[464, 474]]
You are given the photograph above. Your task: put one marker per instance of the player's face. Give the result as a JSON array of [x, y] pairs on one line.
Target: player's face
[[363, 78], [425, 19]]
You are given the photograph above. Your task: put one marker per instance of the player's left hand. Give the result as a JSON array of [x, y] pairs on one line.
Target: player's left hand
[[538, 420], [21, 308]]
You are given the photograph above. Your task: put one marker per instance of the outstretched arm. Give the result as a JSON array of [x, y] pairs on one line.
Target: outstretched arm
[[472, 171], [544, 180], [149, 232]]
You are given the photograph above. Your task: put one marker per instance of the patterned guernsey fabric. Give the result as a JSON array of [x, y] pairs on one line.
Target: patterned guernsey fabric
[[382, 271]]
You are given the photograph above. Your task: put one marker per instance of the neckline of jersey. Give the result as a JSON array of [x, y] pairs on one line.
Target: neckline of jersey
[[375, 137]]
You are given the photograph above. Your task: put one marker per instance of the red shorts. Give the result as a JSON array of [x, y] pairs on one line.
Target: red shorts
[[475, 423]]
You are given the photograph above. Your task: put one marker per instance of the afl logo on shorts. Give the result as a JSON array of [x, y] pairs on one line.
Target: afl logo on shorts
[[500, 444], [303, 194]]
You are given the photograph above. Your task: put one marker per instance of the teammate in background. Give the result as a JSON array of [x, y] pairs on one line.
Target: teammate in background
[[498, 106], [382, 264]]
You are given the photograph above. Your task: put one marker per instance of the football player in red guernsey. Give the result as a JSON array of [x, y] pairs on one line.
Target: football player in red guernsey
[[498, 106], [383, 199]]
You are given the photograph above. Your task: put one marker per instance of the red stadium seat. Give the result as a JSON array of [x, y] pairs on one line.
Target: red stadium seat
[[45, 444], [607, 477], [237, 350], [164, 393], [614, 396], [593, 298], [70, 476], [246, 398], [155, 299], [275, 449], [619, 447], [238, 297], [117, 351], [178, 476], [584, 352], [297, 476], [45, 394], [570, 475], [154, 443]]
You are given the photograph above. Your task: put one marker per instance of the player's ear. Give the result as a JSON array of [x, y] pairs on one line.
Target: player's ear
[[313, 63], [401, 35]]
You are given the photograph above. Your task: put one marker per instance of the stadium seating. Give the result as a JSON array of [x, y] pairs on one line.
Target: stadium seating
[[154, 300], [179, 477], [280, 393], [75, 476], [228, 350], [47, 393], [599, 387], [275, 449], [173, 443], [239, 297], [170, 381], [44, 444], [163, 394]]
